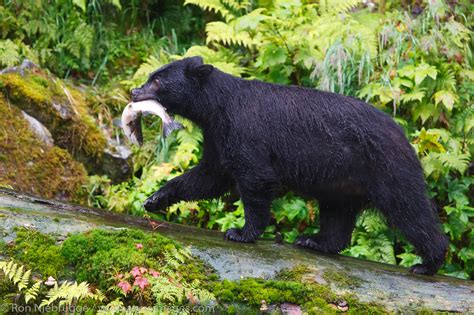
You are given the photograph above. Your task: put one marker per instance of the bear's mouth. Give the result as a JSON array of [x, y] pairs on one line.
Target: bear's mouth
[[144, 97]]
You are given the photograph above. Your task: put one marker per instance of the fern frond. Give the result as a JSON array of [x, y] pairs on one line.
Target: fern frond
[[25, 280], [80, 44], [9, 53], [237, 5], [338, 6], [221, 32], [216, 6], [68, 293], [218, 59], [166, 291], [32, 292], [18, 274]]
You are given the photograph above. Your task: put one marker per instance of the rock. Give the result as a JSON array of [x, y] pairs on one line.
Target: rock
[[39, 130], [290, 309], [116, 162]]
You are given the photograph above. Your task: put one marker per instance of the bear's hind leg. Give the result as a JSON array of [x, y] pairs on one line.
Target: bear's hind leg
[[412, 214], [336, 220]]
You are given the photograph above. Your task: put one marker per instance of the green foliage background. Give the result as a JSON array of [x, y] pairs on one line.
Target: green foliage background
[[417, 68]]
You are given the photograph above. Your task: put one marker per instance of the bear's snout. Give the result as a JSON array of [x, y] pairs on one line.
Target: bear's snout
[[134, 93]]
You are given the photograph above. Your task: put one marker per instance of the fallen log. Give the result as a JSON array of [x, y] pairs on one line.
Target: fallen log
[[391, 286]]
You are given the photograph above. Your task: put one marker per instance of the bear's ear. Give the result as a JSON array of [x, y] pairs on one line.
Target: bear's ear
[[200, 71], [196, 60]]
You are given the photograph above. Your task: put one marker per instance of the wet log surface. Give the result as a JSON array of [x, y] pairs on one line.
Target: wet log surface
[[390, 286]]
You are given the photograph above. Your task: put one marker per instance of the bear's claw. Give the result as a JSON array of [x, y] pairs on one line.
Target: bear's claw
[[149, 205], [158, 201], [308, 242], [238, 235], [315, 242], [421, 269]]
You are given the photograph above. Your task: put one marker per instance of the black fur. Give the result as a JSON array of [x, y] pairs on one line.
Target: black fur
[[265, 139]]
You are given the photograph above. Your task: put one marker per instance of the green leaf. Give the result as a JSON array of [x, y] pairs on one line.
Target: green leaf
[[424, 111], [468, 74], [407, 71], [82, 4], [425, 70], [116, 3], [251, 20], [446, 98], [416, 95], [273, 55]]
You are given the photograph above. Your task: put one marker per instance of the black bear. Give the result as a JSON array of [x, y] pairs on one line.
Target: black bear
[[265, 139]]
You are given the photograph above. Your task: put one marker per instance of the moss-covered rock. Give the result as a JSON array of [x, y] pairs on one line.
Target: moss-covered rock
[[63, 110], [27, 165], [60, 108]]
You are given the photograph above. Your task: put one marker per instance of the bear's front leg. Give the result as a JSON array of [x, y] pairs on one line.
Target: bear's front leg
[[257, 217], [201, 182]]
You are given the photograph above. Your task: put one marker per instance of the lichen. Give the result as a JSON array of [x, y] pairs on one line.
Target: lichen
[[27, 165], [61, 108]]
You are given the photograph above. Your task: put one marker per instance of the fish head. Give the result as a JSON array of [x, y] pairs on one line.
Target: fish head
[[174, 84], [131, 124]]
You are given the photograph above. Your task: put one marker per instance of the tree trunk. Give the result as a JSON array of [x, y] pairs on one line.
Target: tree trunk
[[391, 286]]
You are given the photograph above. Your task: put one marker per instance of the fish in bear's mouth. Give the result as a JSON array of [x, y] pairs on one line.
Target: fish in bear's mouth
[[131, 119]]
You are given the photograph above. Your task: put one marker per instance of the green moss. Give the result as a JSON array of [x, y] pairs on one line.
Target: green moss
[[38, 251], [294, 274], [27, 92], [3, 247], [254, 291], [99, 255], [29, 166], [341, 279], [290, 286]]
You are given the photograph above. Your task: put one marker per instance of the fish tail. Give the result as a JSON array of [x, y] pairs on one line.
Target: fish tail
[[169, 127]]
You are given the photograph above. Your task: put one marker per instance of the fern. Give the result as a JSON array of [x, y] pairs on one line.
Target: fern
[[68, 293], [166, 291], [338, 6], [21, 279], [227, 34], [80, 44], [32, 293], [216, 6], [9, 55], [16, 273], [151, 64]]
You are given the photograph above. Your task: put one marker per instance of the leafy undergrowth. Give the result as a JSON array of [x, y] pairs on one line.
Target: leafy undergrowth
[[119, 269]]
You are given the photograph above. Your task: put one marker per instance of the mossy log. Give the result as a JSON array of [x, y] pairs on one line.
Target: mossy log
[[391, 287]]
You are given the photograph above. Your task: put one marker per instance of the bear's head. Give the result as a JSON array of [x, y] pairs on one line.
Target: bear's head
[[175, 85]]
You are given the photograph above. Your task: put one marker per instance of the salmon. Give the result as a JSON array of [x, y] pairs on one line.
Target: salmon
[[132, 122]]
